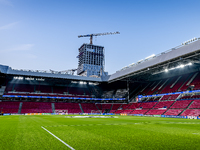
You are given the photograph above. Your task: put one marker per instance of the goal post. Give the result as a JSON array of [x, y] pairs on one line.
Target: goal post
[[96, 111]]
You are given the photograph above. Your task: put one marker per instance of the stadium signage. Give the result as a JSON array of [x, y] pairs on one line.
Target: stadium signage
[[6, 114], [166, 116], [74, 81], [19, 96], [19, 78], [96, 114], [138, 114], [172, 116], [191, 117], [39, 79], [17, 114], [27, 78], [148, 115], [157, 115]]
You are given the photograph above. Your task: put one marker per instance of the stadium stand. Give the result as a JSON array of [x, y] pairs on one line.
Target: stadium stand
[[120, 93], [88, 107], [23, 88], [9, 107], [71, 107], [104, 106], [184, 86], [148, 105], [155, 88], [181, 104], [127, 111], [119, 111], [115, 108], [156, 111], [139, 111], [152, 99], [195, 97], [126, 106], [36, 107], [46, 90], [191, 112], [174, 97], [195, 104], [186, 97], [165, 97], [169, 84], [108, 94], [164, 104], [146, 88], [174, 112], [134, 105]]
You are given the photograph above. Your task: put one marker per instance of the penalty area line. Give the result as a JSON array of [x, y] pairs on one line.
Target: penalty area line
[[58, 138]]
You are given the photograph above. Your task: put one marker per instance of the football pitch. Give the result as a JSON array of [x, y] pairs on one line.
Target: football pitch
[[121, 133]]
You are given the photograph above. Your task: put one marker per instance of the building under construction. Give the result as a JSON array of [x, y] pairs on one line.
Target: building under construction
[[91, 60]]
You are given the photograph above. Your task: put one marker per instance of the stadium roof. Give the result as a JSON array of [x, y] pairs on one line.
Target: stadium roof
[[10, 71], [184, 53]]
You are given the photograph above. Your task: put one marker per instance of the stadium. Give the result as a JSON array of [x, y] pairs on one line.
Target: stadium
[[164, 85], [153, 103]]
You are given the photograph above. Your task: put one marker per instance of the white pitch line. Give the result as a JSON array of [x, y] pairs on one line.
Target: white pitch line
[[58, 138]]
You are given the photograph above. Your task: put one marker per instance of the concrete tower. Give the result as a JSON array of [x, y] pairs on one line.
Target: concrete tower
[[91, 60]]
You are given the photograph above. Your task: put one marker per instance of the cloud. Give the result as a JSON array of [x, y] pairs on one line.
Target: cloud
[[23, 47], [6, 2], [8, 26]]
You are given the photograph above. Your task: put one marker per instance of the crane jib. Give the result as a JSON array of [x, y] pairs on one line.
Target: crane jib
[[98, 34]]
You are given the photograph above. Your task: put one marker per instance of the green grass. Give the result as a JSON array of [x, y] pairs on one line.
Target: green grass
[[125, 132]]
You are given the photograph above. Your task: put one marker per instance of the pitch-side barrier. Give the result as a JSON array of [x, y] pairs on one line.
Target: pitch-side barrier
[[7, 114], [166, 116]]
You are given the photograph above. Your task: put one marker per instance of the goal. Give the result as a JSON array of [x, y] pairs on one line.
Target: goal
[[61, 111], [96, 111]]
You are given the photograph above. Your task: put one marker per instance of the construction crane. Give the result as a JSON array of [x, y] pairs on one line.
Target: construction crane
[[98, 34]]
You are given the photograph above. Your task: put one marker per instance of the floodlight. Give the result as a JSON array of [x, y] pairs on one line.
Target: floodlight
[[190, 64], [150, 56], [166, 70]]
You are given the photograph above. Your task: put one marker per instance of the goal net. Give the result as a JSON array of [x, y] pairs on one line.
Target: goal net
[[96, 111], [61, 111]]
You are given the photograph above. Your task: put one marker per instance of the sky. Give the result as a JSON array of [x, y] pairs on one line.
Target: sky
[[43, 34]]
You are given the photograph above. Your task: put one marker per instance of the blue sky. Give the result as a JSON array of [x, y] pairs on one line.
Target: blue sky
[[43, 34]]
